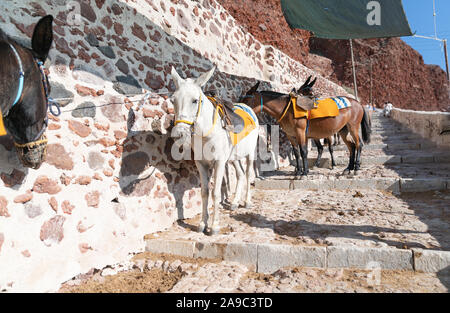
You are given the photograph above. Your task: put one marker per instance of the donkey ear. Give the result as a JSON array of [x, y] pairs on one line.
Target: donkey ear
[[312, 83], [254, 88], [43, 37], [305, 84], [176, 78], [203, 79]]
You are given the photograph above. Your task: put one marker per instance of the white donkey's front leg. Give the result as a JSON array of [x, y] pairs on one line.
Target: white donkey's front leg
[[204, 180], [219, 169]]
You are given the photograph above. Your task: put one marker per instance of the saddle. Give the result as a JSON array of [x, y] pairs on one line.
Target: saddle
[[303, 102], [233, 121]]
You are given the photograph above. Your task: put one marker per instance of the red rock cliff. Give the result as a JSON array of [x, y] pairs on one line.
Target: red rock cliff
[[399, 74]]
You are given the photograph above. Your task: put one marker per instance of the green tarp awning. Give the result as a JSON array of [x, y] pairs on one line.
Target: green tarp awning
[[348, 19]]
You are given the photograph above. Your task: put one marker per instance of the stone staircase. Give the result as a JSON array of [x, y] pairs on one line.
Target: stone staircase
[[332, 221], [396, 160]]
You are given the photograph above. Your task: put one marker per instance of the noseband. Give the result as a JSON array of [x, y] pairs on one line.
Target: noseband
[[216, 116], [40, 139], [196, 118]]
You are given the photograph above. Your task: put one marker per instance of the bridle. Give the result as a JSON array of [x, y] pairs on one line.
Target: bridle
[[191, 123], [40, 139], [253, 97]]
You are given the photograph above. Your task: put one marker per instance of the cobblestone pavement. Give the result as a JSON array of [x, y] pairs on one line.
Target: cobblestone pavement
[[213, 276], [366, 218]]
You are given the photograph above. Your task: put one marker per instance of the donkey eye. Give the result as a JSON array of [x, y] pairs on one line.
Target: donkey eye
[[194, 101]]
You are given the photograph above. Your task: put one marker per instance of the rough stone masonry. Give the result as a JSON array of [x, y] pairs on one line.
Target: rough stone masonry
[[109, 178]]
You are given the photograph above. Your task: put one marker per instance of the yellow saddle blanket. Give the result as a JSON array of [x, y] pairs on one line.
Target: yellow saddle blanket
[[2, 126], [325, 108], [249, 118]]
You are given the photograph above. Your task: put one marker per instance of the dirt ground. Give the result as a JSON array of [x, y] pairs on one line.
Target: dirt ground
[[155, 273]]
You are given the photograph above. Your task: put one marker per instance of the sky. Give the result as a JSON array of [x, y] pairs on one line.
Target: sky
[[421, 21]]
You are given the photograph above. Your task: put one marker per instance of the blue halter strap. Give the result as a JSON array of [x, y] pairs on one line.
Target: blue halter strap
[[261, 96], [21, 78]]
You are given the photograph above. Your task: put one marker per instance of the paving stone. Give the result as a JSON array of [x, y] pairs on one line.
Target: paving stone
[[431, 261], [272, 257], [418, 159], [176, 247], [422, 184], [361, 257]]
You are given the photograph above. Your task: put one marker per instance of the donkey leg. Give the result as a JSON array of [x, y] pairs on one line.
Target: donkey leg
[[358, 159], [351, 149], [204, 180], [248, 172], [298, 168], [219, 169], [304, 154], [330, 148], [319, 152], [357, 146], [239, 185]]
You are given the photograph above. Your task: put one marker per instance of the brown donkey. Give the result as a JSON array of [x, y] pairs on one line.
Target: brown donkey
[[299, 130]]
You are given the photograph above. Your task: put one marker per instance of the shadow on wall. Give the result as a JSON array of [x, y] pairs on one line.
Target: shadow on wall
[[131, 52]]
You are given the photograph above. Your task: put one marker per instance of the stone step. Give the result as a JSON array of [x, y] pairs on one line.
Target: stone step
[[341, 160], [392, 147], [397, 185], [269, 257]]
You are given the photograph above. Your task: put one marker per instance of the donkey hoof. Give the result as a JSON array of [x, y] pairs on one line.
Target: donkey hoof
[[248, 206], [201, 228], [346, 172], [234, 207], [213, 231]]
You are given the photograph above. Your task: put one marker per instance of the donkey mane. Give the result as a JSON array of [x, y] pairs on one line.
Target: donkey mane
[[273, 94]]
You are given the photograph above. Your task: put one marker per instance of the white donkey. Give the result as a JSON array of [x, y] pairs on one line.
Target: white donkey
[[199, 126]]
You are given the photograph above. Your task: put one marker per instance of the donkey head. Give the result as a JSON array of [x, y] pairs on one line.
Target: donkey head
[[306, 88], [187, 100], [24, 104]]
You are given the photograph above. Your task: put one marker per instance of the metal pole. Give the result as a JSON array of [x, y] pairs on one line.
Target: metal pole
[[371, 83], [354, 70], [446, 59]]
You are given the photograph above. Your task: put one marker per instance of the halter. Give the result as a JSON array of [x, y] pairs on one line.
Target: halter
[[216, 116], [253, 96], [50, 103], [21, 73]]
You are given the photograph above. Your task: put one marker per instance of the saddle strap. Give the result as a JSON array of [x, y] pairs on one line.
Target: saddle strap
[[219, 106]]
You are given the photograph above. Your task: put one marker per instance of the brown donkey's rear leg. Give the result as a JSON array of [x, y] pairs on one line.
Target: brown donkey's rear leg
[[319, 151], [351, 148], [354, 132], [330, 148]]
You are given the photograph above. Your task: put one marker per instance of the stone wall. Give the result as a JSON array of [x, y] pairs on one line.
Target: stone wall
[[109, 178], [432, 125]]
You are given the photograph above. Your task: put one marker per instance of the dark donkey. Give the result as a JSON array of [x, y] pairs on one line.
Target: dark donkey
[[299, 130], [24, 92]]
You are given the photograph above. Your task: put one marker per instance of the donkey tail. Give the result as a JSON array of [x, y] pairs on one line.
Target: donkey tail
[[366, 127]]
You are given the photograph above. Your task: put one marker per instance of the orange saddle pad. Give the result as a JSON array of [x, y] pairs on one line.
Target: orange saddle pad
[[2, 126], [325, 108]]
